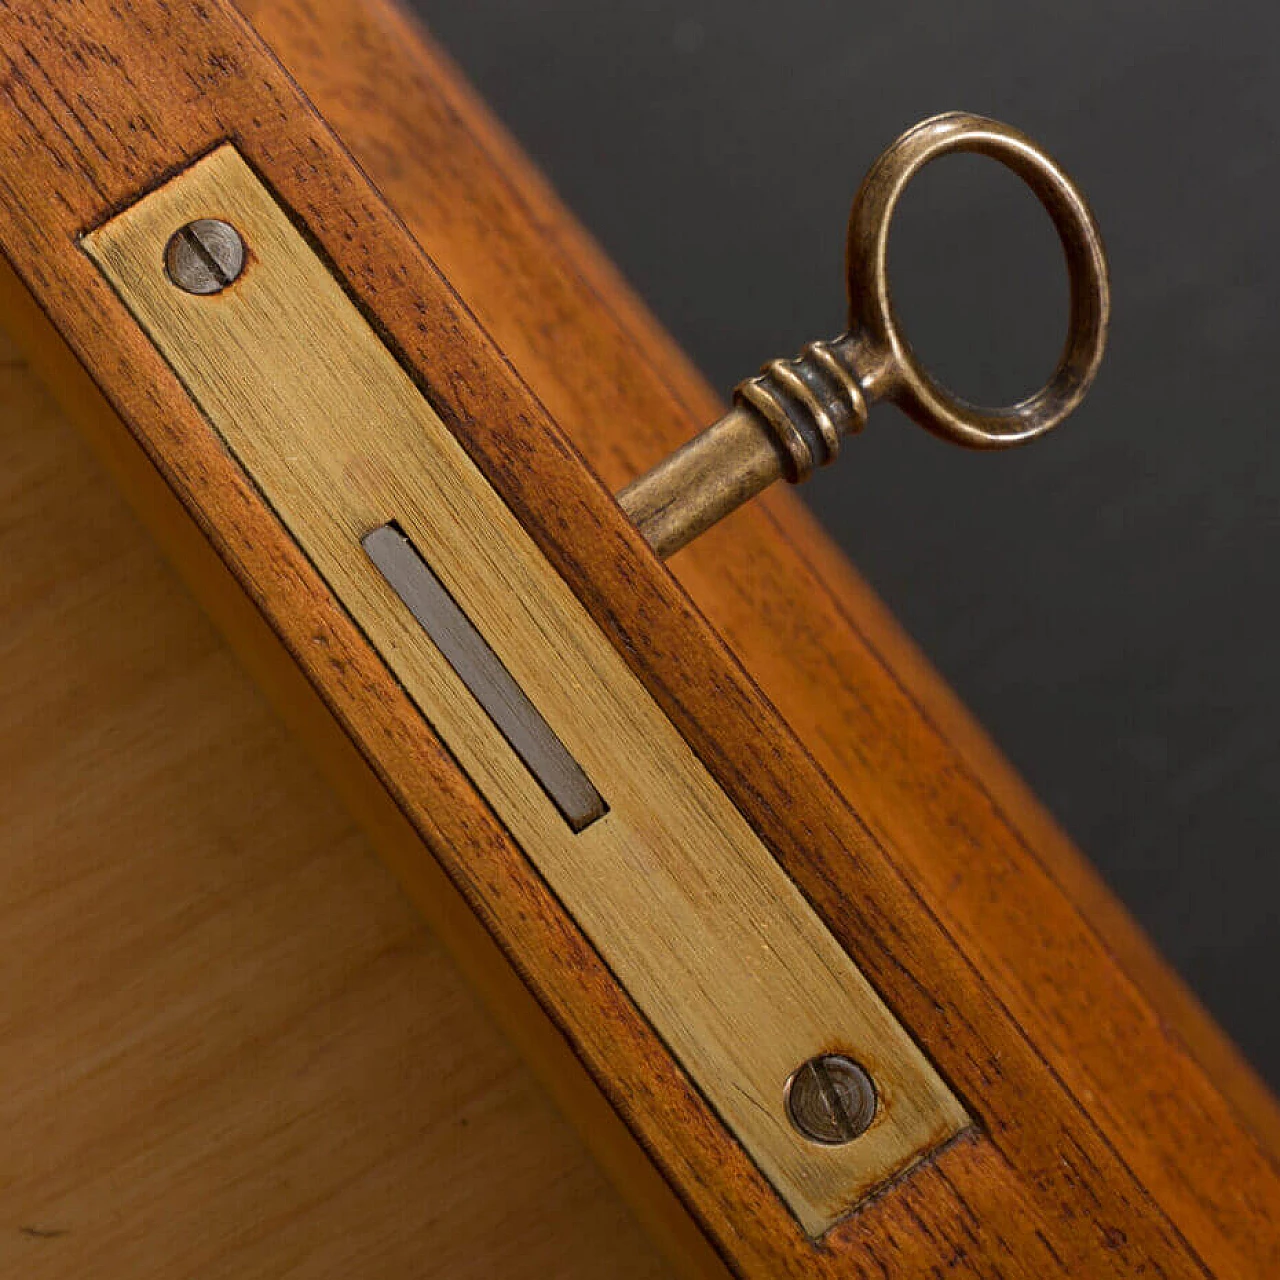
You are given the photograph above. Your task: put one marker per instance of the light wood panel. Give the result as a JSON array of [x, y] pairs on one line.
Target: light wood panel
[[228, 1046]]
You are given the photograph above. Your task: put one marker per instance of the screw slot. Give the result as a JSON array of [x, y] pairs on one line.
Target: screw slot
[[831, 1099], [205, 256]]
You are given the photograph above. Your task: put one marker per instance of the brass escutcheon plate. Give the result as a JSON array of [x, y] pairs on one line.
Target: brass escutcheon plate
[[713, 941]]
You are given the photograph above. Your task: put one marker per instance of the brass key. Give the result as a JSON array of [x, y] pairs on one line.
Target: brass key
[[792, 416]]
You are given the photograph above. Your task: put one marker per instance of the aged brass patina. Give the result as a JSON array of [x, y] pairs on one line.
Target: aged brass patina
[[791, 417]]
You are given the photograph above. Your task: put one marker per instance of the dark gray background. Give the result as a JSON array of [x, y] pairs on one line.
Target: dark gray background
[[1103, 598]]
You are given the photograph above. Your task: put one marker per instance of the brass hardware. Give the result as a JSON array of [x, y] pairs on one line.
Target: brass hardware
[[831, 1100], [792, 416], [696, 919], [205, 256]]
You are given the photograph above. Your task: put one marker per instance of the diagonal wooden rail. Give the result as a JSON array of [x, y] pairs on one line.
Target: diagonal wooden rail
[[1182, 1141]]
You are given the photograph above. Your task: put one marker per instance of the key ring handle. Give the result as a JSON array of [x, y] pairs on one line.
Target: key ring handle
[[889, 367]]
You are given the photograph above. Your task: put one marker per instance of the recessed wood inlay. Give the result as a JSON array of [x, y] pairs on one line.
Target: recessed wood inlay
[[710, 937]]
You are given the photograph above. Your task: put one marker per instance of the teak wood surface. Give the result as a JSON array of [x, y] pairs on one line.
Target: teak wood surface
[[1119, 1133]]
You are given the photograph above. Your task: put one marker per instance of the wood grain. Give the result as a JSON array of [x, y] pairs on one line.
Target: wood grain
[[812, 633], [1086, 1164], [228, 1046], [683, 902]]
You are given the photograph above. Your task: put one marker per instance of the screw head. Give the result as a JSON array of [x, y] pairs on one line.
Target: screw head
[[205, 256], [830, 1099]]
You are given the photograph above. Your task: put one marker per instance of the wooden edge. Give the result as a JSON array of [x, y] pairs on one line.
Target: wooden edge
[[1066, 1153], [856, 599], [1045, 840], [1178, 1007], [294, 698]]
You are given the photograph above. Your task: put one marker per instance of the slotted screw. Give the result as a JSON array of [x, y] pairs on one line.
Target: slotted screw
[[831, 1099], [205, 256]]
